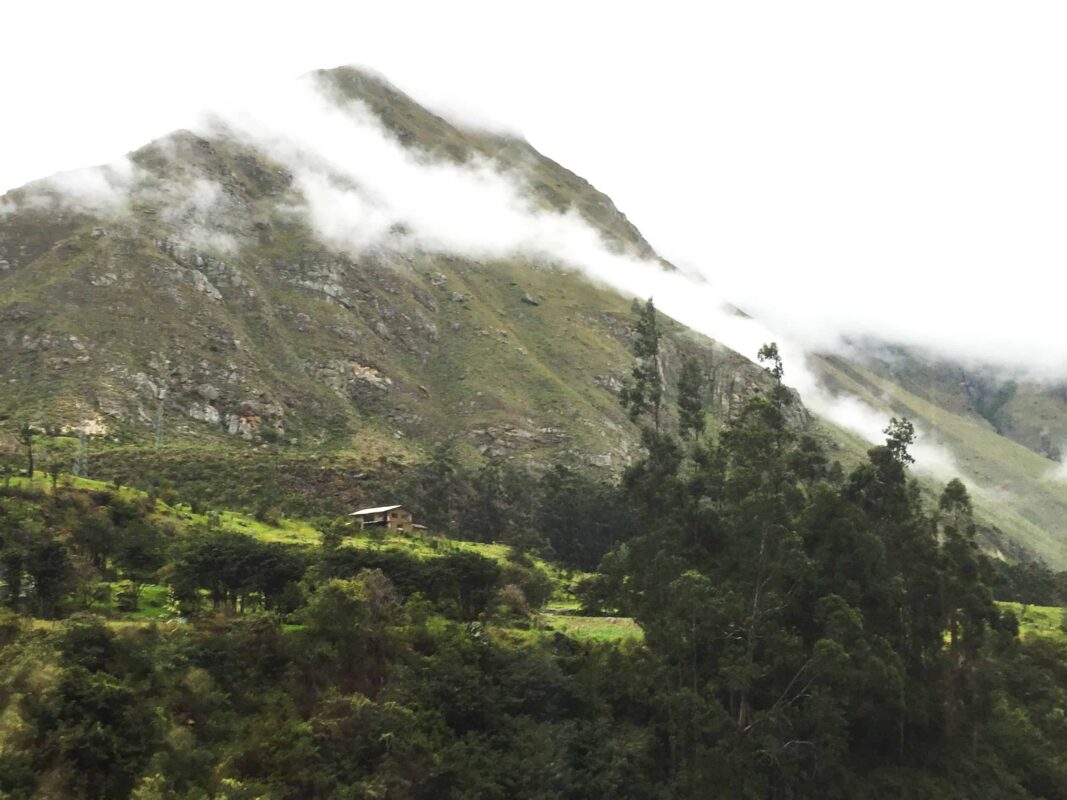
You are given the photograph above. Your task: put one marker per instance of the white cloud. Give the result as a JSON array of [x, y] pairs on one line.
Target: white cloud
[[103, 190], [197, 211], [362, 190]]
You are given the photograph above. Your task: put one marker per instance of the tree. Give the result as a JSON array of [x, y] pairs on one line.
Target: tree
[[333, 532], [966, 601], [690, 399], [768, 354], [141, 552], [900, 435], [104, 731], [95, 535], [487, 518], [49, 567], [643, 394], [55, 469], [439, 487], [581, 517], [80, 467], [20, 527], [7, 469], [25, 437]]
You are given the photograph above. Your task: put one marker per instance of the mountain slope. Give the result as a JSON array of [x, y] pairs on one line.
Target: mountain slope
[[1021, 503], [181, 293]]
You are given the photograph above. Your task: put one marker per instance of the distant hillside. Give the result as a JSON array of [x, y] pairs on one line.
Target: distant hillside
[[1000, 434]]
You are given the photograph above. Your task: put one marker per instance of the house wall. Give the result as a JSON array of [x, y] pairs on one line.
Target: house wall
[[396, 521], [399, 521]]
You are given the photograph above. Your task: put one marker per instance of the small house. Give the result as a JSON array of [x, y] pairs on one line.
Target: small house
[[395, 519]]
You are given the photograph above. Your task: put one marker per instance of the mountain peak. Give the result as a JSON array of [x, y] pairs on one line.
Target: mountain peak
[[235, 284]]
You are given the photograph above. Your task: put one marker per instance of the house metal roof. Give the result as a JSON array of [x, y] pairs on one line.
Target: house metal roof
[[365, 511]]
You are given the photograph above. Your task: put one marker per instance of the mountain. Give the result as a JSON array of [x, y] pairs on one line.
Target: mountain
[[192, 299], [1001, 435], [177, 295]]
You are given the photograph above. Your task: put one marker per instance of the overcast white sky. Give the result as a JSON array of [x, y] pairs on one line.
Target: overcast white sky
[[893, 169]]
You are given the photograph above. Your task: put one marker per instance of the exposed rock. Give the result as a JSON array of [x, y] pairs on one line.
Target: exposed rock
[[609, 382], [146, 387], [424, 300], [345, 377], [504, 438], [457, 297], [242, 425], [202, 284], [252, 415], [90, 426], [205, 412], [370, 375]]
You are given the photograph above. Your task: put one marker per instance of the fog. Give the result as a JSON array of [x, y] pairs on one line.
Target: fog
[[361, 190]]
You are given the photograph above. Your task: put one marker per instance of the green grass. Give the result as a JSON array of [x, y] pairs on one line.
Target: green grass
[[1044, 621], [152, 605], [297, 532], [600, 629]]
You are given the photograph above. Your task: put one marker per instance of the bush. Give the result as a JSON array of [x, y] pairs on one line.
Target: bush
[[128, 597], [511, 600], [535, 585], [271, 515]]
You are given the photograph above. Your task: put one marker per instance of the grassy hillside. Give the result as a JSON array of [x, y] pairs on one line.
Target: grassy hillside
[[1031, 413], [1022, 507], [155, 606]]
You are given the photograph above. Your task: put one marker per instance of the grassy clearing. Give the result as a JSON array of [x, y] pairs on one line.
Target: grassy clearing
[[1046, 621], [153, 603], [600, 629]]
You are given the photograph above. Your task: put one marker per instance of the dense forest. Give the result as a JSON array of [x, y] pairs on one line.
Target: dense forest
[[806, 632]]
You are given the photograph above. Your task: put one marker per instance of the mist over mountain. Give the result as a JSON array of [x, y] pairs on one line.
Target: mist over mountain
[[332, 266]]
